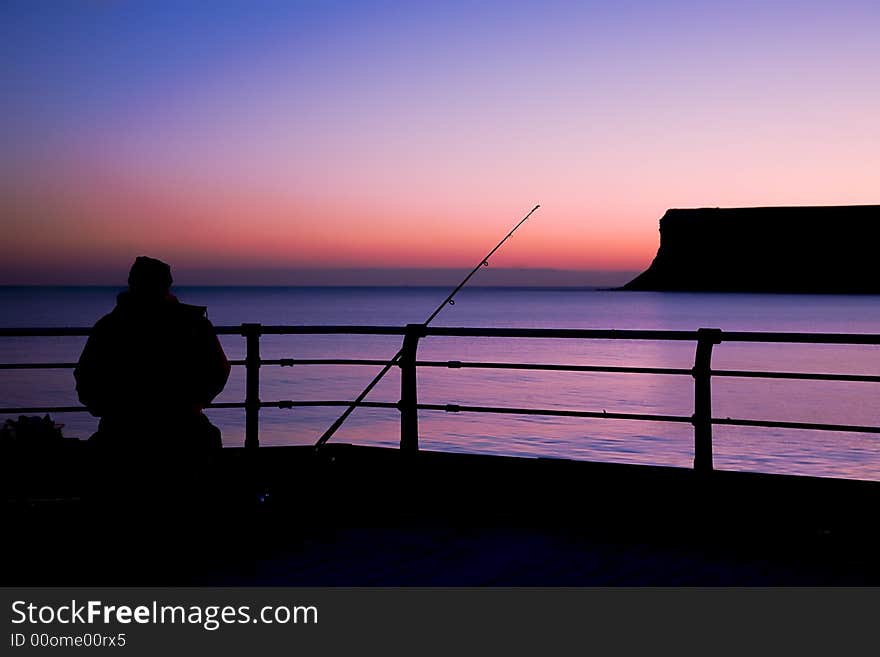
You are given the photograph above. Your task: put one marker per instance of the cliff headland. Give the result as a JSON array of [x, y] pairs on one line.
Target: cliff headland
[[824, 249]]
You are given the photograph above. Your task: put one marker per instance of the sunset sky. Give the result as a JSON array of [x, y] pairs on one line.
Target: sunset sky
[[237, 138]]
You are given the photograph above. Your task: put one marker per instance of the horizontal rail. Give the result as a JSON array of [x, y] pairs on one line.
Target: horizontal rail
[[456, 408], [805, 338], [772, 424], [595, 334], [286, 403], [290, 362], [548, 367], [627, 334], [342, 329], [61, 331], [335, 402], [504, 410], [216, 405], [807, 376], [283, 362], [449, 408], [451, 364]]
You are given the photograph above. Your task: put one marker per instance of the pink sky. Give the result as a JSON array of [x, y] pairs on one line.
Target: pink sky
[[332, 137]]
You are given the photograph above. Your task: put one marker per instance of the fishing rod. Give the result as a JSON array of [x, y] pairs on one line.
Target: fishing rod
[[448, 301]]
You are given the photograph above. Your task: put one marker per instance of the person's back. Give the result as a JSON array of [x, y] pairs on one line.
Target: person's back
[[150, 367]]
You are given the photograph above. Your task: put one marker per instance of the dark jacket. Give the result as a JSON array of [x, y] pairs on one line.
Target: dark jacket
[[151, 365]]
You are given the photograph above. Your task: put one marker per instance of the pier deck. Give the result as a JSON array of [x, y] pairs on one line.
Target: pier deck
[[359, 516]]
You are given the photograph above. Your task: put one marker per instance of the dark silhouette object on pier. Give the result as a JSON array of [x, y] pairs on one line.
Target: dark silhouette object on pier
[[815, 250], [148, 370]]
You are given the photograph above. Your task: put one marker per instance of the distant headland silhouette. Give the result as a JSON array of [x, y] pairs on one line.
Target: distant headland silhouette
[[821, 249]]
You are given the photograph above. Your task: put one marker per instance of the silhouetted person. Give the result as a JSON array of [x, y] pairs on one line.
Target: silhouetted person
[[148, 369]]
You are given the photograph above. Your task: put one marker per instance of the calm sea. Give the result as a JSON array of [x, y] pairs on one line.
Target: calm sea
[[767, 450]]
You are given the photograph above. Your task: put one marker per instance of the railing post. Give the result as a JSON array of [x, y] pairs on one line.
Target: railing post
[[252, 332], [409, 412], [702, 373]]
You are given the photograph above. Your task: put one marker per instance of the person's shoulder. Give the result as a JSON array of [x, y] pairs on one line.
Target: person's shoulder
[[191, 311], [194, 316], [106, 322], [120, 313]]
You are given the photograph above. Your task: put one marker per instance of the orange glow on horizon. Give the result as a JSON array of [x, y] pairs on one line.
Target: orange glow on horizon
[[242, 228]]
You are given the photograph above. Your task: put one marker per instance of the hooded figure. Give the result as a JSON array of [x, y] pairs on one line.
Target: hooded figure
[[150, 366]]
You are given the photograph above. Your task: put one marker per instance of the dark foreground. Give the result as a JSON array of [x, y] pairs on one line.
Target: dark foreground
[[352, 516]]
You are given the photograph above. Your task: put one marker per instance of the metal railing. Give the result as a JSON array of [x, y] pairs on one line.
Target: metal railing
[[409, 406]]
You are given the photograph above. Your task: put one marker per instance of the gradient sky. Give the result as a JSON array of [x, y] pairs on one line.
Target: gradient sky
[[339, 135]]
